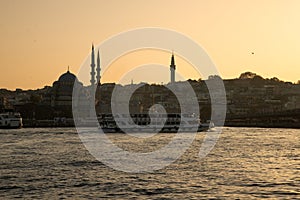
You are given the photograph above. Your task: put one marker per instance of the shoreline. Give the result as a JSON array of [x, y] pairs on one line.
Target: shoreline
[[225, 126], [249, 124]]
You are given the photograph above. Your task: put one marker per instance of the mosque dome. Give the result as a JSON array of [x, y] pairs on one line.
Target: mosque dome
[[67, 77]]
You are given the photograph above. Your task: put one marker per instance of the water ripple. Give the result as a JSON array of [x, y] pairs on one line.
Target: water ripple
[[246, 163]]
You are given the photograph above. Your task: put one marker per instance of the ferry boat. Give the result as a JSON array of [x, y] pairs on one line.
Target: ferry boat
[[10, 120], [151, 123]]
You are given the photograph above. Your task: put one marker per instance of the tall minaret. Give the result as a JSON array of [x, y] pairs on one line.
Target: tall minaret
[[172, 68], [93, 66], [92, 92], [98, 69]]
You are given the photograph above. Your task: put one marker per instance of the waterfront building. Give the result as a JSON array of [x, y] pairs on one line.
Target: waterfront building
[[59, 97], [62, 90]]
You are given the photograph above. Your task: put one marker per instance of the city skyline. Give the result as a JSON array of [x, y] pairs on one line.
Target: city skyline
[[40, 39]]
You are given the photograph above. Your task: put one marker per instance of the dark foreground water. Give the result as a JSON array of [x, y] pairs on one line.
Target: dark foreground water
[[246, 163]]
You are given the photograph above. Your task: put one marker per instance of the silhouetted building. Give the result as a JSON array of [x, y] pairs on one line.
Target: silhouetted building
[[92, 67], [59, 96], [172, 68], [98, 69], [61, 92]]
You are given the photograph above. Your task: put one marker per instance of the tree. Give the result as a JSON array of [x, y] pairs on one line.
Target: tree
[[275, 79], [212, 77], [247, 75]]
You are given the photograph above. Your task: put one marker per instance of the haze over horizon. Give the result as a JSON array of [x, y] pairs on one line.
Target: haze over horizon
[[40, 39]]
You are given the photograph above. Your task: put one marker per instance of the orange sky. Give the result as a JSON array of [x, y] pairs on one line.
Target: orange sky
[[40, 38]]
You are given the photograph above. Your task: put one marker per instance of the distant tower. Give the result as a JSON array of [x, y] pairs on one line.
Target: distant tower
[[92, 92], [172, 68], [98, 69], [93, 67]]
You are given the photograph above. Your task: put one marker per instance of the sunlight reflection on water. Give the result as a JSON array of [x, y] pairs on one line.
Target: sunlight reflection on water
[[246, 163]]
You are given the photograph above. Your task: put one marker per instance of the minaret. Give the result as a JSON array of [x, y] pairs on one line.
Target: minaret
[[92, 92], [93, 67], [98, 69], [172, 68]]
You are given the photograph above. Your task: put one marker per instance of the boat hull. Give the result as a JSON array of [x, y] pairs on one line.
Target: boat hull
[[151, 130], [10, 127]]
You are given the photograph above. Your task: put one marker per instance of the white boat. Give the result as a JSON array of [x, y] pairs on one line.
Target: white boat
[[151, 123], [10, 120]]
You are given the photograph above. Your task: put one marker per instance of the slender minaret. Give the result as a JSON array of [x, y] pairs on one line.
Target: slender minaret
[[98, 69], [172, 68], [93, 66], [92, 92]]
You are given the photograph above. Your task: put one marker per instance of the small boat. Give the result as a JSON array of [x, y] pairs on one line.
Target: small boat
[[10, 120]]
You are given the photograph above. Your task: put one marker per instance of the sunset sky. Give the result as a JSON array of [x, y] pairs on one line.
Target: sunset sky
[[40, 38]]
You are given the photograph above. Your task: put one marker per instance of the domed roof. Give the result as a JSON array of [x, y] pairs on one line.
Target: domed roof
[[67, 77]]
